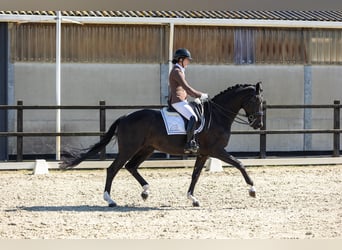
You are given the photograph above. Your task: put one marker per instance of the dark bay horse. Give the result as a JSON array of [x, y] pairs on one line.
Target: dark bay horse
[[140, 133]]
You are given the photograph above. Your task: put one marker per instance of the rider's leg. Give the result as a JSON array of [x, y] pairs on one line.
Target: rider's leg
[[191, 145], [185, 110]]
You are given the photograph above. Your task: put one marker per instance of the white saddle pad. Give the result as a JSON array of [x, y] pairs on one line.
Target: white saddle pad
[[174, 123]]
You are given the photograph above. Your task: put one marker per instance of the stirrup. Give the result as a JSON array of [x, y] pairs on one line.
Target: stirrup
[[191, 147]]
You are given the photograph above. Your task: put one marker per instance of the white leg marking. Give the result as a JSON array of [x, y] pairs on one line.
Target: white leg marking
[[107, 198], [192, 198], [146, 189]]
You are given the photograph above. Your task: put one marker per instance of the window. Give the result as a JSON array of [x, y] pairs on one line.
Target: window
[[244, 46], [325, 46]]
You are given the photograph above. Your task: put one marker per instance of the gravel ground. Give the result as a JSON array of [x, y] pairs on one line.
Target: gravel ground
[[291, 203]]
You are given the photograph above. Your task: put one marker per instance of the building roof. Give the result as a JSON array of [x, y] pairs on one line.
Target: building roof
[[280, 19], [329, 16]]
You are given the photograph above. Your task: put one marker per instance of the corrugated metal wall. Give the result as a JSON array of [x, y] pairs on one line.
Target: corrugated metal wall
[[114, 43], [208, 45], [90, 43], [281, 46], [149, 44]]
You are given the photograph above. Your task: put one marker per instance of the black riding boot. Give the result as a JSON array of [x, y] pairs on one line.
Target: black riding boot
[[191, 146]]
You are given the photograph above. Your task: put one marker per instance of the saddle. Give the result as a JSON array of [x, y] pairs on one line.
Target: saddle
[[176, 124]]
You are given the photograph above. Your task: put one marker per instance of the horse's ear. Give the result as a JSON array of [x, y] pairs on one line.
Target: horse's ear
[[258, 88]]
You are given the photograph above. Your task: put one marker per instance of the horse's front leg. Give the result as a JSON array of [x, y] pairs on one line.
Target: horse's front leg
[[226, 157], [200, 161]]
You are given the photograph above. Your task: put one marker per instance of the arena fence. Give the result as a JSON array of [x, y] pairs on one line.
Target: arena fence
[[102, 107]]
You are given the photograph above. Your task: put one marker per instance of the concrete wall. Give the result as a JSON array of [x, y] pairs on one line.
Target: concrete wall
[[124, 84], [281, 84], [326, 87], [82, 84]]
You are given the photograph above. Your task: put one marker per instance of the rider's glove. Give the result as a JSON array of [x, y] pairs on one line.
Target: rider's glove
[[197, 100], [204, 96]]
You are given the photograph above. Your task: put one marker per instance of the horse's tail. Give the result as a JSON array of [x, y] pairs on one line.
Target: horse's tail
[[73, 159]]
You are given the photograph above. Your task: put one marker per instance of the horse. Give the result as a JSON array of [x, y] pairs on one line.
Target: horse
[[140, 133]]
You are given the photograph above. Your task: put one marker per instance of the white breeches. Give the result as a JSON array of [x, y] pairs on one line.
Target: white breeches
[[185, 109]]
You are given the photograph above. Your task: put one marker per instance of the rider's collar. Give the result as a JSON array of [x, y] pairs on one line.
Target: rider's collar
[[180, 66]]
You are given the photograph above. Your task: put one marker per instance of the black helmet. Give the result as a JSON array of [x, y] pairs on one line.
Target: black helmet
[[181, 53]]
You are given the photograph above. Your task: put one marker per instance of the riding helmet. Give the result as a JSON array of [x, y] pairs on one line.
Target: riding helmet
[[181, 53]]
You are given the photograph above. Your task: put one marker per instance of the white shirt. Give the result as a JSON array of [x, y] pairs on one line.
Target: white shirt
[[182, 68]]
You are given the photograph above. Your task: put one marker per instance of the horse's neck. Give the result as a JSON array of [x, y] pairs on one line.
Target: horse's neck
[[231, 102], [232, 105], [222, 115]]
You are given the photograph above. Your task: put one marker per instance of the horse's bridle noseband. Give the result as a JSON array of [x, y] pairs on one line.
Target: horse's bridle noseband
[[253, 117]]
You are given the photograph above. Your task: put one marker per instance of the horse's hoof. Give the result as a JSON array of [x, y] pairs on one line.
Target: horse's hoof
[[252, 192], [144, 196], [112, 204], [196, 204]]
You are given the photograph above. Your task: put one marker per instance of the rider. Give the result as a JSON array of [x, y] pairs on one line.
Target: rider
[[179, 91]]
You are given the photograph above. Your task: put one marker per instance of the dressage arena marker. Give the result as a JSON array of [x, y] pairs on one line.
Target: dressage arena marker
[[41, 167], [214, 165]]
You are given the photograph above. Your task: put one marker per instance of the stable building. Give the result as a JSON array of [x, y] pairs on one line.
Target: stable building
[[123, 57]]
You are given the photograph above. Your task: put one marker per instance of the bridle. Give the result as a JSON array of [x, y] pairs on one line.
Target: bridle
[[252, 118]]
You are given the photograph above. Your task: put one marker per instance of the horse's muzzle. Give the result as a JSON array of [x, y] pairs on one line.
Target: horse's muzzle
[[255, 120], [257, 125]]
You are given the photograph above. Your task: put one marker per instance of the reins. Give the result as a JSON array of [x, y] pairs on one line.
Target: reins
[[224, 112]]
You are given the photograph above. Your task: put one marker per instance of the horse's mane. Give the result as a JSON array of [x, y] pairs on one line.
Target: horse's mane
[[231, 89]]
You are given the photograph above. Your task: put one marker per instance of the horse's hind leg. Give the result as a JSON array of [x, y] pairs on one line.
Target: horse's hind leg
[[112, 170], [132, 167]]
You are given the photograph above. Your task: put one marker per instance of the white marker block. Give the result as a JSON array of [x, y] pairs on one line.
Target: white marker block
[[214, 165], [41, 167]]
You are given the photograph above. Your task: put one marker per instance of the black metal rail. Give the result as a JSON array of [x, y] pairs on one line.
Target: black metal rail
[[102, 107]]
